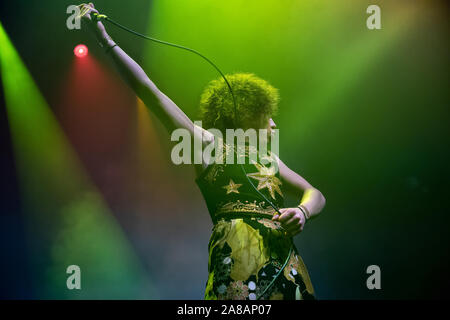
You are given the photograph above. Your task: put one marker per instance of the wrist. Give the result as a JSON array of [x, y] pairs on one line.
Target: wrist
[[100, 33], [105, 40], [305, 211]]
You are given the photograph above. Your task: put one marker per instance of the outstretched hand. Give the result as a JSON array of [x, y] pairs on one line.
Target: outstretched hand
[[86, 11], [292, 220]]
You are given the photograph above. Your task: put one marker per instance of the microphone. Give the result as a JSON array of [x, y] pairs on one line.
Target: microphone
[[98, 17]]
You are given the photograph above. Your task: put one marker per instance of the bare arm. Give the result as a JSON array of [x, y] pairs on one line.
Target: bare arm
[[162, 106], [293, 219], [312, 199]]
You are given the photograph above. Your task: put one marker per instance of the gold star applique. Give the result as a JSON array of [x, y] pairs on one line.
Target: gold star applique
[[267, 179], [232, 187]]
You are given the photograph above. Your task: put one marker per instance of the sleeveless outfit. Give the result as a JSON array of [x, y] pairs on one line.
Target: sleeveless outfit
[[247, 248]]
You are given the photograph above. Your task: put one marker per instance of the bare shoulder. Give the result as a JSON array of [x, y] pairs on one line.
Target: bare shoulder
[[207, 138]]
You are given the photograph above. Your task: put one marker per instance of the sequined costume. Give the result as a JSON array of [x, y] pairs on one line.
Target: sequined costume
[[247, 248]]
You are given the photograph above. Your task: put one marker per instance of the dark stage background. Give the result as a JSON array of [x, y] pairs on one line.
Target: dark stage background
[[86, 176]]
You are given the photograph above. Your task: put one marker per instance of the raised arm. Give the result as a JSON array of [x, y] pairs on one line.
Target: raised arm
[[312, 201], [162, 106]]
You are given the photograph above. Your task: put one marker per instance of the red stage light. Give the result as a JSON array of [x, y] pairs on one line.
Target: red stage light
[[81, 51]]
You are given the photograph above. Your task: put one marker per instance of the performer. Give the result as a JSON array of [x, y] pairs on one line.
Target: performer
[[250, 241]]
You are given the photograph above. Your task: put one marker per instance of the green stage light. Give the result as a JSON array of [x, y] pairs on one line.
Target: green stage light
[[68, 221], [313, 52]]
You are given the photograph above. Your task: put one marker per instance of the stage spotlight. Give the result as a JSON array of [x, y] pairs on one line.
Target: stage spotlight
[[81, 51]]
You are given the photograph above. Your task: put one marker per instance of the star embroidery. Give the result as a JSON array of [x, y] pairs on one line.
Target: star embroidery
[[232, 187], [267, 179], [222, 155], [268, 157]]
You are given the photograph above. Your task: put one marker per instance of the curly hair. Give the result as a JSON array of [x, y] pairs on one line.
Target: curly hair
[[256, 102]]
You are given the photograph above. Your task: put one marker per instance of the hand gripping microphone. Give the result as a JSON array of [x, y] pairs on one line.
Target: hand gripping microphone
[[84, 10]]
